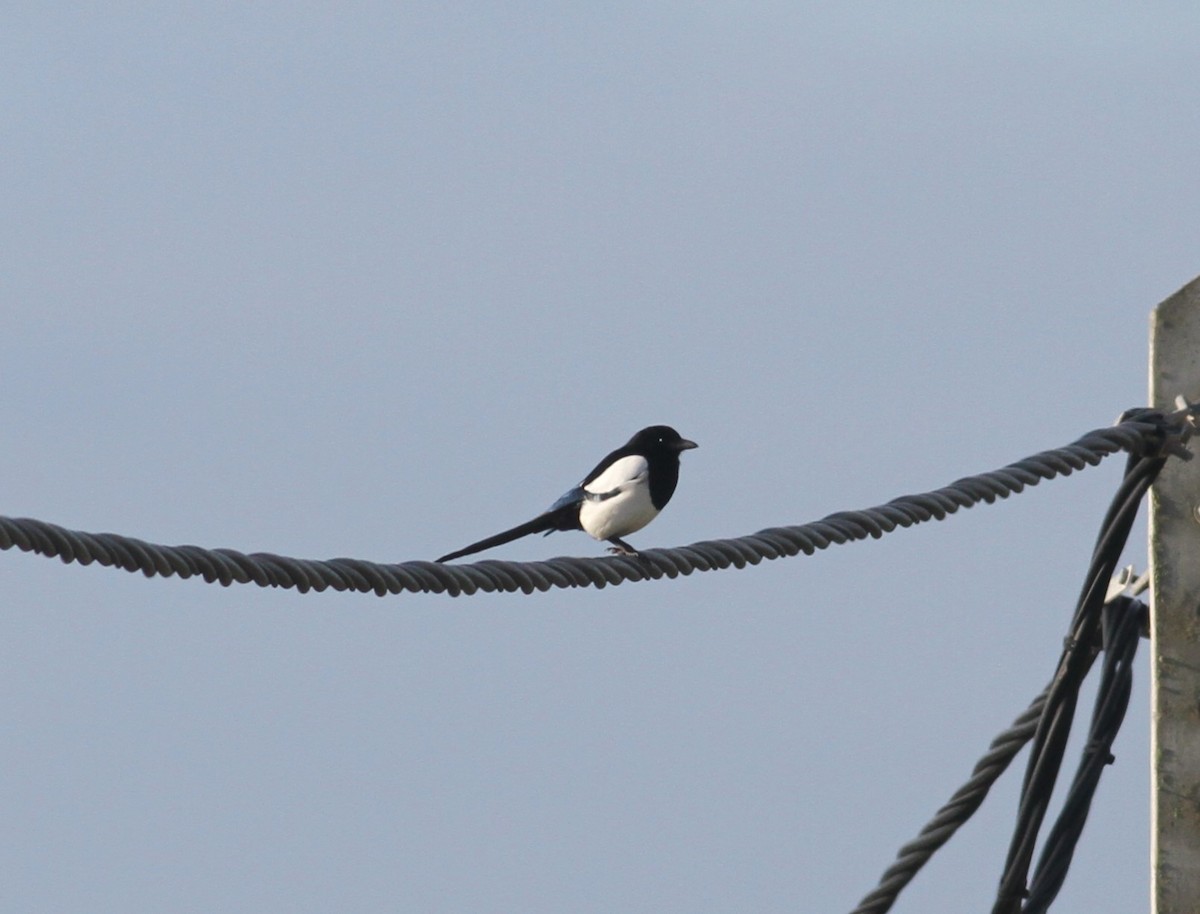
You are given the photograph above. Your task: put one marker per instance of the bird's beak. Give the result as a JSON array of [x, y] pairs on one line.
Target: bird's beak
[[686, 445]]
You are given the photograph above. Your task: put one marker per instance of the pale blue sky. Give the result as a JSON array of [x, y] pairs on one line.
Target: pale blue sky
[[377, 281]]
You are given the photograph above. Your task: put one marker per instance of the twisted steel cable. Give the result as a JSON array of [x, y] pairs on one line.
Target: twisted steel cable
[[1003, 749], [1137, 431], [955, 813]]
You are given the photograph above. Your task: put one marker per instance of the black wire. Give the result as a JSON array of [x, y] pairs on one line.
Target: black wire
[[1137, 430], [1122, 628], [1049, 742], [956, 811], [1082, 649], [961, 806]]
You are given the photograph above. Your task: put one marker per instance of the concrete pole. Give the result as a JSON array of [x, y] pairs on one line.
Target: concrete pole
[[1175, 620]]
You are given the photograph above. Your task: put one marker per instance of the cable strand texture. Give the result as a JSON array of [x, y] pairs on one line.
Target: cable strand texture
[[1138, 430]]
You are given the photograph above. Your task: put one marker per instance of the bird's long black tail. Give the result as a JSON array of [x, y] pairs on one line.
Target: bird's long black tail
[[562, 519]]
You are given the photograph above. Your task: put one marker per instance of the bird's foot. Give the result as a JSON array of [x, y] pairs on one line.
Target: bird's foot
[[620, 547], [621, 550]]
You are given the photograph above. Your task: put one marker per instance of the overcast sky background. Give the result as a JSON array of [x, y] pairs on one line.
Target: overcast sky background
[[378, 280]]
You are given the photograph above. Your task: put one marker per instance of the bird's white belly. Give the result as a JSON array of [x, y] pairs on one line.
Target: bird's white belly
[[624, 513]]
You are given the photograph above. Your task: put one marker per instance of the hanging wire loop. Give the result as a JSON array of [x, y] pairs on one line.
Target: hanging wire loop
[[1136, 432]]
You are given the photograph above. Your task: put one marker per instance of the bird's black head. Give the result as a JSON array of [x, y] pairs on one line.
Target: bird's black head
[[660, 439]]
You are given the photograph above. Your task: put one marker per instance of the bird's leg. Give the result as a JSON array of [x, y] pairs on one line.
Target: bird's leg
[[620, 547]]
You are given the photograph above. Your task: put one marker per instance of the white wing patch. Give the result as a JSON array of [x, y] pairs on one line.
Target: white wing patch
[[617, 502], [622, 473]]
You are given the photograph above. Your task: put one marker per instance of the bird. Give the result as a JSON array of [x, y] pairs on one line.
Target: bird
[[620, 496]]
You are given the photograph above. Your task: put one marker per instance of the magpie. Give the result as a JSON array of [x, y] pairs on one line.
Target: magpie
[[621, 495]]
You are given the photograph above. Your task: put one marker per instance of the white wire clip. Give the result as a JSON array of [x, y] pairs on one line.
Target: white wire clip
[[1188, 412], [1127, 583]]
